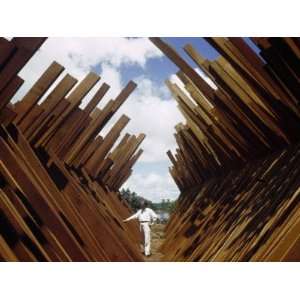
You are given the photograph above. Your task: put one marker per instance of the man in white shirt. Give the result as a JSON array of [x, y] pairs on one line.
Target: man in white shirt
[[146, 216]]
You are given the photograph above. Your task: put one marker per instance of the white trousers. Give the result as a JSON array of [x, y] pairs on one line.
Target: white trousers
[[146, 231]]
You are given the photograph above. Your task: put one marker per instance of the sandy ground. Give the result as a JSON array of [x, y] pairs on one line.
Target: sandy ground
[[157, 238]]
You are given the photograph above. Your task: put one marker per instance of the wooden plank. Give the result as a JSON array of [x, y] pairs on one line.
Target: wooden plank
[[74, 99], [236, 163], [38, 90], [9, 91], [92, 165], [6, 49], [26, 47], [50, 217], [49, 105], [58, 212], [99, 122]]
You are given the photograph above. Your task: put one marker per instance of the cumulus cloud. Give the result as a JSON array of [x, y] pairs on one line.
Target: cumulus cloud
[[152, 113], [150, 107], [153, 186], [80, 55]]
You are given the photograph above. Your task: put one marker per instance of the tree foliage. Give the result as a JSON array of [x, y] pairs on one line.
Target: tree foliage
[[166, 205], [134, 200]]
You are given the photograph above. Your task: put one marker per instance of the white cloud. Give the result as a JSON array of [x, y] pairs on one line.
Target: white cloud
[[153, 113], [155, 116], [153, 186], [112, 76], [79, 55], [84, 53], [150, 113], [150, 107]]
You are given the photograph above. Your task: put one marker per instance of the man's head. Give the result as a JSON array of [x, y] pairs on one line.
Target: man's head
[[144, 204]]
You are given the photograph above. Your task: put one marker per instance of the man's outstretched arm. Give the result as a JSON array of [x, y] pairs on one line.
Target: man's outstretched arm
[[134, 216]]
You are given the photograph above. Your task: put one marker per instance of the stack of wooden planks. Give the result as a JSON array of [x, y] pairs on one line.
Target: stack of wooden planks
[[237, 163], [59, 179]]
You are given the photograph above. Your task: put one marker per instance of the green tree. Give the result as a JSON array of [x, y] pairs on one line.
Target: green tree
[[133, 199]]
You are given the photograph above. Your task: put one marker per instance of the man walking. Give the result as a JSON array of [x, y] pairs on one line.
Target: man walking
[[146, 217]]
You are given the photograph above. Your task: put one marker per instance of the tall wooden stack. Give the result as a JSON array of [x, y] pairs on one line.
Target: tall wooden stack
[[238, 158], [59, 179]]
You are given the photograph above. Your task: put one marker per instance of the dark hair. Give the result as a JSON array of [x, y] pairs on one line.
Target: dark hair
[[144, 204]]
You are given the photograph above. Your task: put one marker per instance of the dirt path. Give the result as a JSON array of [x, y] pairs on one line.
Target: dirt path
[[157, 239]]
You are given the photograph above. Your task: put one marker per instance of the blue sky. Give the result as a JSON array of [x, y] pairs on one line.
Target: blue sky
[[158, 70], [151, 107]]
